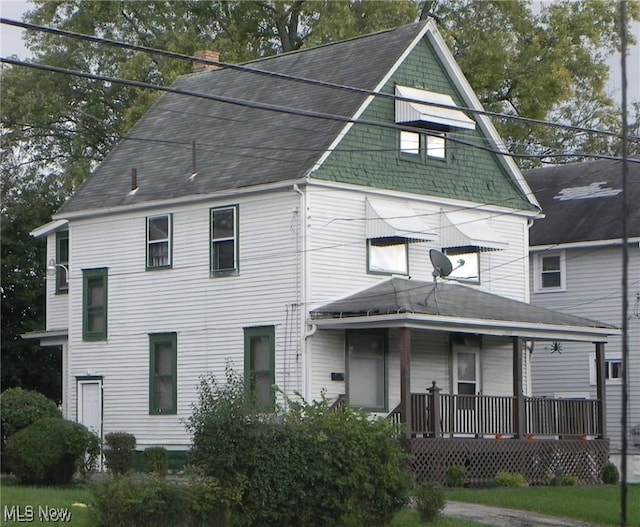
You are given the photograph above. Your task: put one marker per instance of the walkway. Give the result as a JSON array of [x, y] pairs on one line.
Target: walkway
[[498, 517]]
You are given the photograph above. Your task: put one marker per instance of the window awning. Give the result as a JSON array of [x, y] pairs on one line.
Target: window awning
[[467, 230], [423, 112], [386, 219]]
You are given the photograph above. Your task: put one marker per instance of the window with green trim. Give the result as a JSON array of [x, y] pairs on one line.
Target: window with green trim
[[62, 262], [163, 366], [366, 370], [224, 240], [259, 365], [159, 237], [94, 308]]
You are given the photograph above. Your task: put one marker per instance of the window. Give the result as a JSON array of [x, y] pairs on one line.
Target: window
[[159, 241], [388, 255], [259, 365], [466, 369], [410, 143], [224, 240], [612, 369], [550, 272], [62, 259], [469, 271], [94, 310], [163, 366], [421, 145], [366, 370]]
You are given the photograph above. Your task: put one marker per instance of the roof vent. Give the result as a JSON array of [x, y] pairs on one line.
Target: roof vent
[[205, 54]]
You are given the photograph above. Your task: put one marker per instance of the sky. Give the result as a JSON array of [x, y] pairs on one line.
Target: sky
[[11, 43]]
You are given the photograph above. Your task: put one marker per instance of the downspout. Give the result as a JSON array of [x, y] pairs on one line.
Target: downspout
[[304, 364]]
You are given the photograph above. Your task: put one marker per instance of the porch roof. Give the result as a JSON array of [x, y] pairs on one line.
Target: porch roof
[[402, 302]]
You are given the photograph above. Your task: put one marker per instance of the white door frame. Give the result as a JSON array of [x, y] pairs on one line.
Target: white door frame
[[80, 383]]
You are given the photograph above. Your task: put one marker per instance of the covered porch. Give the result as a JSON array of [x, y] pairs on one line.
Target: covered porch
[[459, 424]]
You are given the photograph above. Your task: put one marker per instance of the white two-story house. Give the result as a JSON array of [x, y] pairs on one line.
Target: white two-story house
[[278, 217]]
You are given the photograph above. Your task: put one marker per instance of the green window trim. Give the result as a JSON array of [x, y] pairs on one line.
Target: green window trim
[[94, 304], [62, 259], [259, 365], [163, 374], [223, 241], [159, 242], [379, 360]]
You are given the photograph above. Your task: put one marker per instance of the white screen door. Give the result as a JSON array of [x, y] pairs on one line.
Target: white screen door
[[90, 405]]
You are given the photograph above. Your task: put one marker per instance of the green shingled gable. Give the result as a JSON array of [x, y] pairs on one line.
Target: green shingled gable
[[369, 155]]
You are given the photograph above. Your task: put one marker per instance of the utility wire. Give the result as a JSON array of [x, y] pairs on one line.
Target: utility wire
[[294, 78]]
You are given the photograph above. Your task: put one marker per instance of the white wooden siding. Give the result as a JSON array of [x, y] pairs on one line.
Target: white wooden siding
[[593, 280], [208, 314]]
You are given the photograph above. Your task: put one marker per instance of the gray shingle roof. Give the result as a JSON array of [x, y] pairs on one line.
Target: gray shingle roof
[[237, 146], [399, 295], [583, 202]]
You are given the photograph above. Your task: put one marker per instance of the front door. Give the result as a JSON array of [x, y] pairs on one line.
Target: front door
[[466, 383], [90, 404]]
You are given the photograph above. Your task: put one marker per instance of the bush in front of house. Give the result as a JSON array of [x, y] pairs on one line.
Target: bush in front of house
[[134, 501], [429, 502], [509, 479], [456, 476], [156, 460], [50, 451], [610, 474], [303, 466], [119, 454]]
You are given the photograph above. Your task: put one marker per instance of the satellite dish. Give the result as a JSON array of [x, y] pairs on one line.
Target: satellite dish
[[442, 266]]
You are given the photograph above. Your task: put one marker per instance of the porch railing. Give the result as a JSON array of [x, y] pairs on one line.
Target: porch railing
[[489, 415]]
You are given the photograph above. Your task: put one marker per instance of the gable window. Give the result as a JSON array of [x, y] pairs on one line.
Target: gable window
[[62, 259], [159, 241], [435, 145], [366, 367], [423, 145], [465, 263], [163, 366], [224, 240], [259, 365], [550, 272], [94, 308], [409, 143], [388, 255]]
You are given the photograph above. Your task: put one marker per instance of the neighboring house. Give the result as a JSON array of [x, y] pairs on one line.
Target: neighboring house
[[576, 258], [296, 248]]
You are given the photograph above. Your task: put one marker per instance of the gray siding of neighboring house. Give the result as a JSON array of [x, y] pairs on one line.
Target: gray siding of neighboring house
[[593, 290]]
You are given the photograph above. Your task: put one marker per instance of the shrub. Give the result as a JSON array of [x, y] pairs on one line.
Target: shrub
[[429, 502], [508, 479], [570, 481], [129, 502], [610, 474], [49, 451], [456, 476], [21, 408], [119, 455], [305, 466], [156, 460]]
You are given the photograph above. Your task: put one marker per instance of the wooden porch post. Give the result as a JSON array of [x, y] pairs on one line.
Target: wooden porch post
[[519, 418], [405, 380], [601, 390]]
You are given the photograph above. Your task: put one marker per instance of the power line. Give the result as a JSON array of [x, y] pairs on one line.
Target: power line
[[294, 78]]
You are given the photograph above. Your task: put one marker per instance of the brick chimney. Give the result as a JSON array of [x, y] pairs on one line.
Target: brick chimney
[[205, 54]]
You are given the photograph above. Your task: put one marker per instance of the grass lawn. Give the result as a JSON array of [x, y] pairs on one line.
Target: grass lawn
[[599, 504], [20, 504]]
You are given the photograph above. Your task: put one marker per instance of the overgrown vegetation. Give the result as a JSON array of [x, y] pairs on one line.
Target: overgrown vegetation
[[610, 474], [50, 451], [429, 502], [509, 479], [306, 465], [156, 460], [456, 476]]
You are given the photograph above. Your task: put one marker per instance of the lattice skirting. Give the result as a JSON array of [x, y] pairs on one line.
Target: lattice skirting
[[539, 461]]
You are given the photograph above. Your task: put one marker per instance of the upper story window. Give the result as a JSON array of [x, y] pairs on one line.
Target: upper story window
[[465, 263], [549, 272], [388, 255], [612, 369], [94, 308], [62, 262], [423, 145], [159, 237], [224, 240]]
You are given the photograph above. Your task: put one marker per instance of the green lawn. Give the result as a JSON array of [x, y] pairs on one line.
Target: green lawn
[[21, 504], [599, 504]]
